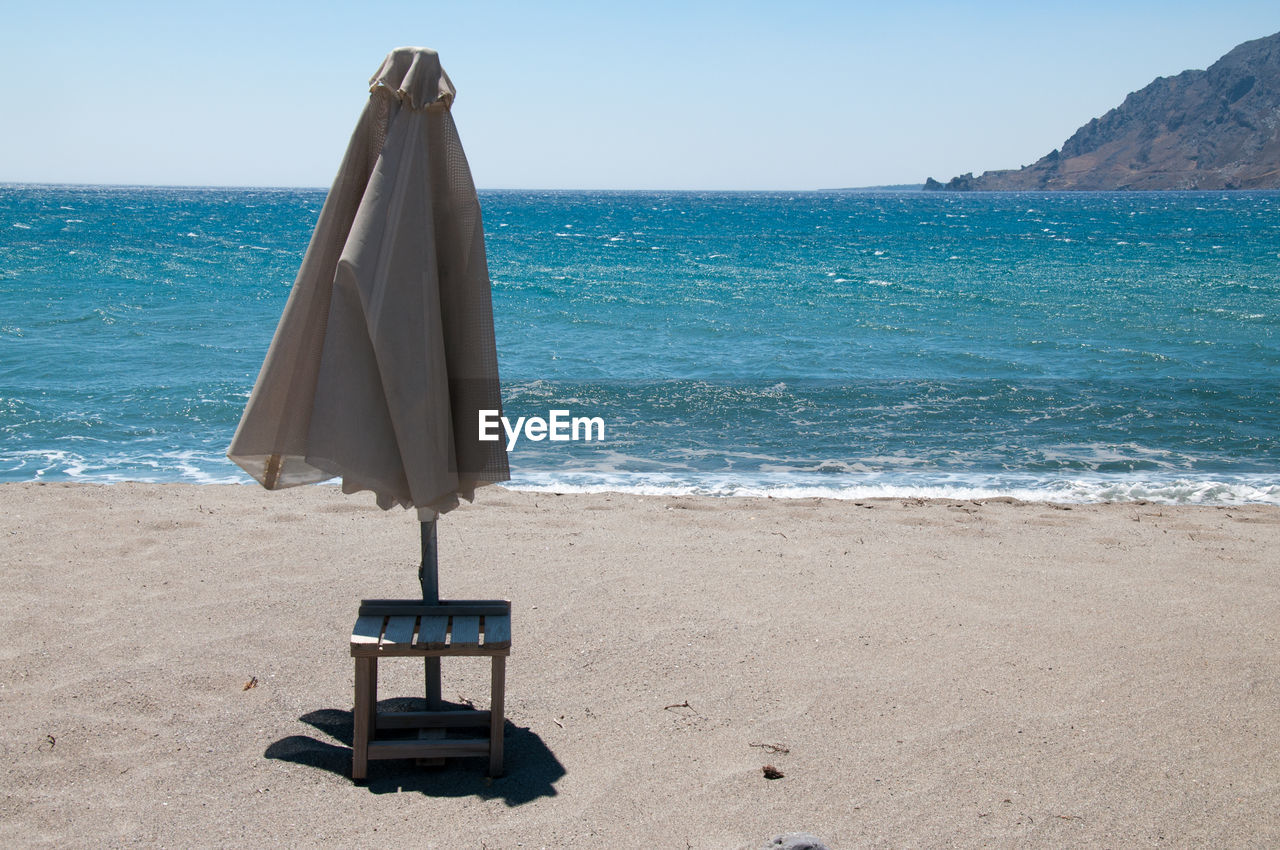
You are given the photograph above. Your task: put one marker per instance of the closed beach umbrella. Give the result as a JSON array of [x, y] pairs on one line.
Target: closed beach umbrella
[[385, 353], [385, 356]]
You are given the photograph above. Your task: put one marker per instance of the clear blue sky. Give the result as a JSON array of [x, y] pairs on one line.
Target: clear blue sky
[[718, 95]]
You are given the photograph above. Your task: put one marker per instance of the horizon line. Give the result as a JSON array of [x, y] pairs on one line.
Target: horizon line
[[888, 187]]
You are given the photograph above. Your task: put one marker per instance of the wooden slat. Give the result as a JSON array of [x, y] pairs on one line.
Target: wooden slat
[[427, 749], [368, 630], [416, 651], [410, 607], [432, 632], [465, 632], [432, 719], [497, 632], [399, 632], [435, 734]]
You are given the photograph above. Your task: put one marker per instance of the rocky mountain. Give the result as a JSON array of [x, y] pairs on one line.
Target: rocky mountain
[[1214, 129]]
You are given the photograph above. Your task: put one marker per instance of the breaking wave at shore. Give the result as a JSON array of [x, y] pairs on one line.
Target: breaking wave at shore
[[1170, 492]]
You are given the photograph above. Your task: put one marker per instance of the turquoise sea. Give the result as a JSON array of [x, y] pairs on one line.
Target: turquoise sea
[[1057, 346]]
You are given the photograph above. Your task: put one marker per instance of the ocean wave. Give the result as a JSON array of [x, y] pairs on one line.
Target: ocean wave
[[835, 481], [170, 467], [1178, 491]]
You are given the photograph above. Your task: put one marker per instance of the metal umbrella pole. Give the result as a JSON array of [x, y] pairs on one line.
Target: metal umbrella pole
[[429, 578]]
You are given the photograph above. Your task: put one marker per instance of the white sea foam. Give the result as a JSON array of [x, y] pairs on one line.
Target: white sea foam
[[832, 481], [1171, 492], [189, 467]]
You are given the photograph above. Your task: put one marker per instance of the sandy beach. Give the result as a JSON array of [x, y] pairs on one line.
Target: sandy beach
[[944, 673]]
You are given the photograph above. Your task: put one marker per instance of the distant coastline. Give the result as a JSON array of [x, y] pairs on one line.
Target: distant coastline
[[892, 187], [1199, 130]]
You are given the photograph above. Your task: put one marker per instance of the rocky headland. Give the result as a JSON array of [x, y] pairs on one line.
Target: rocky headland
[[1214, 129]]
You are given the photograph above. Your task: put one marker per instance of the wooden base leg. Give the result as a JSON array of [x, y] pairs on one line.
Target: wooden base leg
[[363, 715], [497, 720]]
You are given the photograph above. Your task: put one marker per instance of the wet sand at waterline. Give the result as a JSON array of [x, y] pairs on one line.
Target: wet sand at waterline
[[176, 671]]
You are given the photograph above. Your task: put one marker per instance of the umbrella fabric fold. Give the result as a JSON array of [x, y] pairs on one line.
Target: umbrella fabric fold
[[385, 352]]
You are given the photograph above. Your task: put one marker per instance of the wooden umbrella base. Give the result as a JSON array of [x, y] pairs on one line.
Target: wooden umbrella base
[[415, 629]]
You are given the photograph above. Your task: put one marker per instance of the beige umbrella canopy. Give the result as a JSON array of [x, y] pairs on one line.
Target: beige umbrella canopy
[[385, 352]]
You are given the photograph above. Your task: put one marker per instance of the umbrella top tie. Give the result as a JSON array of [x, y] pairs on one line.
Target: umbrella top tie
[[414, 76]]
